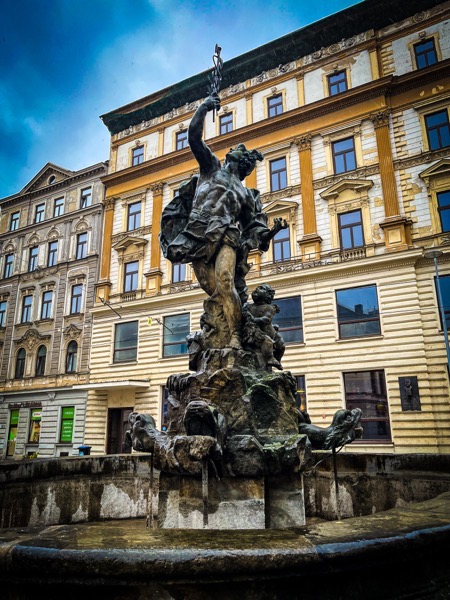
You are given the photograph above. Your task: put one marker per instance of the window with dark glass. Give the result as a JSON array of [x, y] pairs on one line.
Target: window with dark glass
[[58, 207], [66, 425], [15, 221], [39, 215], [425, 53], [344, 157], [12, 432], [351, 230], [75, 299], [438, 130], [35, 424], [126, 341], [289, 319], [33, 258], [130, 281], [137, 155], [3, 306], [226, 123], [86, 197], [443, 199], [178, 272], [165, 409], [52, 257], [444, 284], [181, 139], [41, 357], [9, 264], [357, 310], [367, 390], [71, 357], [282, 245], [175, 331], [275, 105], [20, 363], [337, 83], [278, 174], [27, 302], [300, 394], [134, 216], [46, 308], [81, 250]]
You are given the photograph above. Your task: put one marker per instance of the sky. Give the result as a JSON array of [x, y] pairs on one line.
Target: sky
[[64, 63]]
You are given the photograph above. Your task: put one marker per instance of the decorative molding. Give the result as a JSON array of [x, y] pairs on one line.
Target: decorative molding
[[288, 192], [356, 174], [272, 73], [72, 332], [380, 118], [31, 338], [344, 44], [303, 142], [108, 203], [157, 188], [356, 185]]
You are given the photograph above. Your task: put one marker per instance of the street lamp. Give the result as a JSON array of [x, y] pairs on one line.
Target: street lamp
[[435, 254]]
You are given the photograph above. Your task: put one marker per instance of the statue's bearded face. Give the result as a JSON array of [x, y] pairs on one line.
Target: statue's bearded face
[[245, 159]]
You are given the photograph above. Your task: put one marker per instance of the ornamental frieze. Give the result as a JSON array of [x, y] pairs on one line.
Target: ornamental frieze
[[357, 174], [288, 192], [31, 339], [420, 159], [72, 332], [344, 44], [272, 73], [38, 273]]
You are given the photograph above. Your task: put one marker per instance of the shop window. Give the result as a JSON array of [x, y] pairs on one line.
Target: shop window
[[58, 207], [131, 274], [425, 53], [438, 130], [66, 425], [367, 390], [357, 310], [282, 245], [9, 265], [81, 249], [86, 198], [71, 357], [344, 156], [15, 221], [289, 319], [12, 433], [178, 272], [226, 123], [337, 83], [181, 139], [27, 302], [35, 425], [126, 342], [175, 330], [134, 216], [52, 257], [39, 214], [444, 284], [33, 258], [275, 105], [137, 155], [41, 358], [47, 304], [351, 230], [20, 363], [278, 174], [3, 306], [76, 298], [300, 394]]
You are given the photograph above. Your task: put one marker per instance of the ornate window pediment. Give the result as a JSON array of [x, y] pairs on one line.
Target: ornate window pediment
[[128, 241], [53, 234], [72, 332], [33, 240], [31, 338], [358, 187], [81, 226], [440, 169]]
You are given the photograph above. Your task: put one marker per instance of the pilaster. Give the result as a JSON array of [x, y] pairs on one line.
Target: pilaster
[[154, 275]]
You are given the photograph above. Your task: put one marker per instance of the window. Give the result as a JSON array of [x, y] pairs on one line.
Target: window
[[344, 157], [9, 263], [443, 199], [438, 130], [40, 361], [130, 282], [20, 364], [289, 319], [86, 197], [35, 424], [46, 308], [178, 272], [444, 284], [66, 428], [278, 174], [337, 83], [282, 245], [351, 230], [81, 250], [181, 139], [175, 330], [75, 299], [52, 257], [33, 258], [358, 313], [137, 155], [275, 105], [27, 302], [15, 221], [425, 53], [226, 123], [3, 313], [58, 207], [71, 357], [126, 342], [300, 394], [39, 215], [367, 390], [134, 216], [165, 409]]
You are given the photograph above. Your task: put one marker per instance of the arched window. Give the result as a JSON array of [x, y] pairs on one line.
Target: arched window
[[20, 363], [40, 361], [71, 357]]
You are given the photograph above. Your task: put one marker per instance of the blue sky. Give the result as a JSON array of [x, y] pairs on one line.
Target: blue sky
[[63, 63]]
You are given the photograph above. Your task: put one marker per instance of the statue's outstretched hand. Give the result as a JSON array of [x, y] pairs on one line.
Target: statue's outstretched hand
[[279, 223], [212, 102]]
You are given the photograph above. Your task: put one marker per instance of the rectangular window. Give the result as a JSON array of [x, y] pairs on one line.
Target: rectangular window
[[337, 83], [443, 199], [86, 197], [12, 433], [134, 216], [181, 139], [175, 331], [126, 342], [165, 409], [351, 230], [425, 53], [344, 157], [357, 310], [75, 299], [438, 130], [52, 257], [367, 390], [137, 156], [444, 284], [15, 221], [58, 207], [27, 302], [275, 105], [33, 259], [289, 319], [35, 425], [81, 250], [39, 215], [278, 174], [300, 394], [9, 264], [178, 272], [282, 245], [226, 123], [67, 419], [3, 306], [46, 308], [130, 282]]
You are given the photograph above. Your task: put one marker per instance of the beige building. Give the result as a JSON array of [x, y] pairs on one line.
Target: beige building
[[352, 116]]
